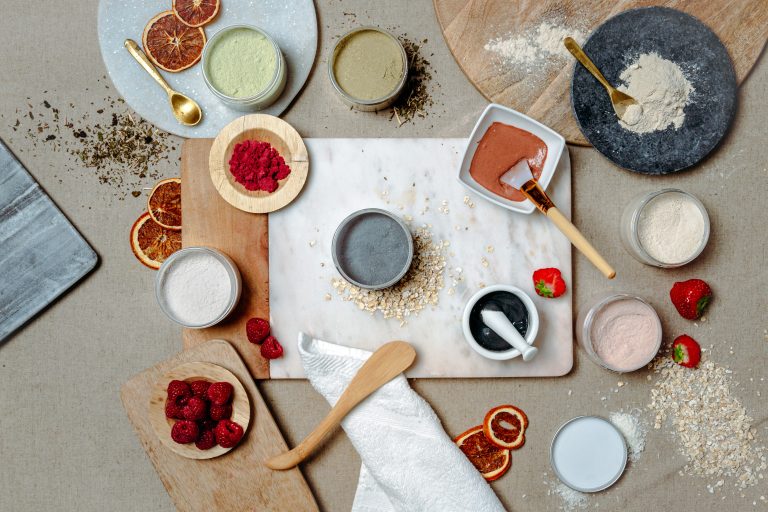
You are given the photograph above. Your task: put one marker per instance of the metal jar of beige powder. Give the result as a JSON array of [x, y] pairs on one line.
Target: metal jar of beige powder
[[666, 228]]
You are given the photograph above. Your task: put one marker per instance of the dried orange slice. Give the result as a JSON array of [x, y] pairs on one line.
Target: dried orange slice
[[489, 459], [170, 44], [164, 203], [152, 243], [505, 425], [196, 13]]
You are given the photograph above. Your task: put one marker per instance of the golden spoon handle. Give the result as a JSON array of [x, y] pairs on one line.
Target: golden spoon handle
[[577, 52], [142, 59]]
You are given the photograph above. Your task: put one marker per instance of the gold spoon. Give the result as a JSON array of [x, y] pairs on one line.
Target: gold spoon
[[186, 110], [389, 361], [620, 101]]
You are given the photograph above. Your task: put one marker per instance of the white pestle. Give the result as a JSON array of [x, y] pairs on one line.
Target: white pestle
[[498, 322]]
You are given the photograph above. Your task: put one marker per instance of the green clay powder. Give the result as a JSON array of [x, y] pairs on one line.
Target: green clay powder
[[369, 65], [242, 63]]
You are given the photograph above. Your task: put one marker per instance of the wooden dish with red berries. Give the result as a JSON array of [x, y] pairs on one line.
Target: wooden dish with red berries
[[170, 404]]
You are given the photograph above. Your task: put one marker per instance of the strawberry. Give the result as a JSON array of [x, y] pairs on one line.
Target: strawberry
[[691, 298], [686, 351], [548, 282]]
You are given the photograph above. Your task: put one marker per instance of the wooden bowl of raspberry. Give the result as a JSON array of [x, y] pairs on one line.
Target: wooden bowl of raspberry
[[258, 163], [199, 410]]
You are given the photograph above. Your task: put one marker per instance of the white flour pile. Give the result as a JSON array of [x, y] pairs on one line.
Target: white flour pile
[[671, 228], [196, 289], [535, 49], [571, 499], [634, 431], [661, 89], [714, 431]]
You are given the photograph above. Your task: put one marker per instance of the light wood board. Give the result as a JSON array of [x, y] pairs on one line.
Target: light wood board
[[469, 24], [209, 220], [238, 480]]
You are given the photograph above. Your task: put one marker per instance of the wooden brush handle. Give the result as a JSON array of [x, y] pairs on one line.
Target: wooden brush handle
[[581, 243]]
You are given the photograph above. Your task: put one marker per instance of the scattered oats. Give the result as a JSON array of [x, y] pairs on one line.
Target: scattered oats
[[407, 218], [489, 249], [620, 383], [328, 296], [570, 391], [468, 202], [714, 431], [603, 398], [312, 243], [484, 262], [418, 289]]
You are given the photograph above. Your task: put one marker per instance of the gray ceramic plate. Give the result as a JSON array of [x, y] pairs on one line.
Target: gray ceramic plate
[[675, 36], [292, 24]]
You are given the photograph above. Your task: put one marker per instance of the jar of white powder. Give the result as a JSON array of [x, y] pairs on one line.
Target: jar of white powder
[[198, 287], [667, 228]]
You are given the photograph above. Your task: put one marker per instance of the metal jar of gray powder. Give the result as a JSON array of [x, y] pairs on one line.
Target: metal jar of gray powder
[[666, 228]]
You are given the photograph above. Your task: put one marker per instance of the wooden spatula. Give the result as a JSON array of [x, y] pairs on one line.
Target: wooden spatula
[[389, 361]]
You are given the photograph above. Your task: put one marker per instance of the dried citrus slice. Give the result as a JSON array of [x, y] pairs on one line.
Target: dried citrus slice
[[152, 243], [505, 425], [196, 13], [170, 44], [164, 203], [489, 459]]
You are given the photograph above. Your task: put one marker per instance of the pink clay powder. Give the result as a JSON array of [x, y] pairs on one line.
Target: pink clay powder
[[626, 334]]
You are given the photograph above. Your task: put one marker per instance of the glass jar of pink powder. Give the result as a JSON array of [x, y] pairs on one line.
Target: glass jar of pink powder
[[620, 332]]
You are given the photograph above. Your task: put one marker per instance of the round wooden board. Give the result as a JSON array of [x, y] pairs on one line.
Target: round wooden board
[[241, 406], [283, 137], [468, 25]]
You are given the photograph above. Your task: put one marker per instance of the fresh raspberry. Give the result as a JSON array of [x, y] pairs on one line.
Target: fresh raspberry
[[178, 390], [173, 411], [196, 409], [228, 433], [185, 431], [199, 387], [221, 412], [220, 393], [257, 330], [206, 441], [271, 348]]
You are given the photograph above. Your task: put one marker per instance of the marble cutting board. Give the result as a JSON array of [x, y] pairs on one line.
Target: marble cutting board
[[490, 245]]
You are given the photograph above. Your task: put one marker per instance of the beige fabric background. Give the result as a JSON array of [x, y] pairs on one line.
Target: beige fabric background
[[65, 443]]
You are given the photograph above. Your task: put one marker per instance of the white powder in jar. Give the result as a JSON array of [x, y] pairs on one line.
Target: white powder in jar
[[671, 228], [196, 289]]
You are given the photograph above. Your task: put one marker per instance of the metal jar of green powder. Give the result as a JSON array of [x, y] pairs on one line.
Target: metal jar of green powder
[[368, 68], [244, 67]]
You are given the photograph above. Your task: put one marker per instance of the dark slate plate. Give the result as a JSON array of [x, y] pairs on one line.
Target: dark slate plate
[[675, 36], [42, 253]]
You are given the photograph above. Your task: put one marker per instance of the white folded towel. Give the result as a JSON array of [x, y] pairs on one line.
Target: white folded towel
[[409, 462]]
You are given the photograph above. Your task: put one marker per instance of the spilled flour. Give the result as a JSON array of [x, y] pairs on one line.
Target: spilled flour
[[535, 49], [634, 431], [661, 89]]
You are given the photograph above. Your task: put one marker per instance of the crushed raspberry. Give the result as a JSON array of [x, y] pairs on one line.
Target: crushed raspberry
[[178, 391], [228, 433], [185, 431], [220, 393], [257, 330], [206, 441], [199, 387], [220, 412], [196, 409], [271, 348], [257, 165]]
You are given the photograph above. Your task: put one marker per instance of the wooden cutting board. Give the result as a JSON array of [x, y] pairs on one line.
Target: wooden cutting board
[[237, 480], [469, 24], [209, 220]]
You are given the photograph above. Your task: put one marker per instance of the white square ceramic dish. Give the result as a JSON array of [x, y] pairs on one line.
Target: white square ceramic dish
[[496, 113]]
